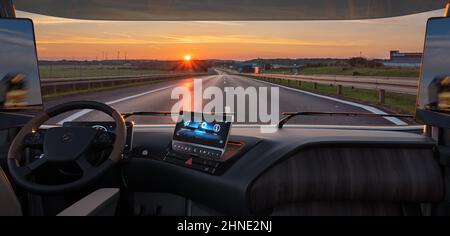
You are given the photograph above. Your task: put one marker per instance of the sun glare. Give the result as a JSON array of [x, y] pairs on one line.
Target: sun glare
[[187, 57]]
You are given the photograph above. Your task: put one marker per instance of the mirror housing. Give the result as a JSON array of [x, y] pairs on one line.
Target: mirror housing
[[433, 100]]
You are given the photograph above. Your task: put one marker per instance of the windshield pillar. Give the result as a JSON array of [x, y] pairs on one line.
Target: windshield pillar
[[7, 9]]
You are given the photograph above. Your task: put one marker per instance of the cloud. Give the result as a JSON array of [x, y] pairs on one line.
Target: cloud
[[250, 39], [198, 39]]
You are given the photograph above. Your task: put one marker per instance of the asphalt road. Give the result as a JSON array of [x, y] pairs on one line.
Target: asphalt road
[[157, 97]]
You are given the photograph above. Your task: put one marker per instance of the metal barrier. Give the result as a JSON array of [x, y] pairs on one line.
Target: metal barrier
[[405, 85], [56, 86]]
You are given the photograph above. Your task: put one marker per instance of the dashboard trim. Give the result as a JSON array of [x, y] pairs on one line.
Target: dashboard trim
[[407, 128]]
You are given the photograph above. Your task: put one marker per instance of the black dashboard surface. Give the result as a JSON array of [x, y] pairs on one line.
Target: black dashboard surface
[[228, 192]]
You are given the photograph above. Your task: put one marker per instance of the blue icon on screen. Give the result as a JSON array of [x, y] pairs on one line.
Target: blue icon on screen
[[216, 128]]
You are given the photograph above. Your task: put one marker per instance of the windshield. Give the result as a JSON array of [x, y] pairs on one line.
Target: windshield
[[253, 70]]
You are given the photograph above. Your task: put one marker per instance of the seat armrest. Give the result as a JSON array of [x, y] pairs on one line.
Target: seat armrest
[[102, 202]]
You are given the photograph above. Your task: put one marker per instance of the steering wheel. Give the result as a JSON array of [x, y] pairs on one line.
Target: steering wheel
[[65, 145]]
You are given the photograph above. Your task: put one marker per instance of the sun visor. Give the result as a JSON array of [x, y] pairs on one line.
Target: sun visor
[[227, 10]]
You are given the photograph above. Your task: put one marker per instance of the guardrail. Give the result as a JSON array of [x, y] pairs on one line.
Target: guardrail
[[405, 85], [62, 85]]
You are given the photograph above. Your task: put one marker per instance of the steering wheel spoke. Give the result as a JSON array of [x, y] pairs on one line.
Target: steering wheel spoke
[[104, 139], [36, 164], [27, 170], [84, 164], [23, 171], [34, 139]]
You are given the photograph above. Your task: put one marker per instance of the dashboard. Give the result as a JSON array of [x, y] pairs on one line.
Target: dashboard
[[249, 162], [259, 172]]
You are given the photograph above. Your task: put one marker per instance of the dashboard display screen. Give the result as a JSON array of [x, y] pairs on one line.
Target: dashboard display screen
[[207, 131]]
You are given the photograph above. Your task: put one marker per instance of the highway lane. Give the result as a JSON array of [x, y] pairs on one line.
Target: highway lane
[[157, 97]]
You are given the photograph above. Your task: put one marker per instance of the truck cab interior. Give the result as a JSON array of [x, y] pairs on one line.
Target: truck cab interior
[[205, 164]]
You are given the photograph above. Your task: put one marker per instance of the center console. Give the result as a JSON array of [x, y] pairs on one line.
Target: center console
[[202, 135], [202, 142]]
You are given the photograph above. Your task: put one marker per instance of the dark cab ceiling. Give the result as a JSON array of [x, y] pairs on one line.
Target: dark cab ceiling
[[162, 10]]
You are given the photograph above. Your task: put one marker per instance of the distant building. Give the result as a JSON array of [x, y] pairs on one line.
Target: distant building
[[245, 68], [404, 59], [254, 67]]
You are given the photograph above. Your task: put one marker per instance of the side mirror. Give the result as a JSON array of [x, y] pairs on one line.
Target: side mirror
[[433, 99], [19, 73], [20, 88]]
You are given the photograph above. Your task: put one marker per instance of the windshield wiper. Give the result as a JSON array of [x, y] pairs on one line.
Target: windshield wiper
[[147, 113], [290, 115], [127, 115]]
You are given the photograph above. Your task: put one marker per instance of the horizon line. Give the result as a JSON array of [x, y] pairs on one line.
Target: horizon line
[[275, 58]]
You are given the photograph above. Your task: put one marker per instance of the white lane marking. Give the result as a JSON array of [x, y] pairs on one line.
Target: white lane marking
[[374, 110], [86, 111]]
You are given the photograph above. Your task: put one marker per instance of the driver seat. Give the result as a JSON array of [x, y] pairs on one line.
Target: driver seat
[[102, 202]]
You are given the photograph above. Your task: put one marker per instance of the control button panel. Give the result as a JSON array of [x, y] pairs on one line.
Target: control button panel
[[193, 162], [197, 151]]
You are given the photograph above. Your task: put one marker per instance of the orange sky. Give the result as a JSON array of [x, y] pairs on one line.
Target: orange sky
[[59, 38]]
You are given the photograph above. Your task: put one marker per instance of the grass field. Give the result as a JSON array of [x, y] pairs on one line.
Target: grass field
[[401, 103], [49, 72], [383, 71], [75, 92]]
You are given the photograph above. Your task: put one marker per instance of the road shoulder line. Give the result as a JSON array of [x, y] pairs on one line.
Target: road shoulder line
[[374, 110]]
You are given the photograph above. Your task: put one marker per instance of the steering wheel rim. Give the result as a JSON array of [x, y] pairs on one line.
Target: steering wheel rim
[[17, 147]]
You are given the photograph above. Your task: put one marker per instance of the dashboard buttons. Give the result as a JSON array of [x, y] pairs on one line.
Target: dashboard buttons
[[193, 162], [202, 159], [197, 151]]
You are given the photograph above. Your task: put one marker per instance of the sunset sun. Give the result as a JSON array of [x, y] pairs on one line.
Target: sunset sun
[[187, 57]]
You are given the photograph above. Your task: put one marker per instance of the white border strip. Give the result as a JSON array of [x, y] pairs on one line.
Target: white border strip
[[374, 110]]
